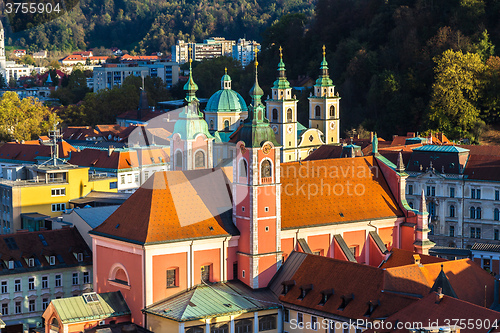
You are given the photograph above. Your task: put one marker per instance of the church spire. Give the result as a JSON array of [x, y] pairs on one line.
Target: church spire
[[256, 92], [281, 82], [324, 77], [375, 144], [423, 204], [190, 87]]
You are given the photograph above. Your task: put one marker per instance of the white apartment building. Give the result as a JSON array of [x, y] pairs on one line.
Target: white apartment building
[[243, 51]]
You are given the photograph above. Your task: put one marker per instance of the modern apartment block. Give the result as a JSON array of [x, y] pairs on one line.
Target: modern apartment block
[[36, 267], [110, 75]]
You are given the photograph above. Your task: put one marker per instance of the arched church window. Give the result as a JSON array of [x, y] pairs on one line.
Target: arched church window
[[472, 214], [226, 125], [318, 111], [289, 115], [199, 159], [332, 111], [178, 159], [243, 168], [265, 169], [211, 124], [275, 115]]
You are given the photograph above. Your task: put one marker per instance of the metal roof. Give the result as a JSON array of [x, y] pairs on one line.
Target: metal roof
[[343, 246], [77, 309], [441, 149], [486, 247], [206, 301], [96, 215], [286, 271]]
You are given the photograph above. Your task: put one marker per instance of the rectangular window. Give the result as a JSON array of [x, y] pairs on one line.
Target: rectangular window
[[472, 232], [497, 195], [58, 280], [5, 289], [410, 189], [286, 315], [496, 234], [433, 191], [45, 303], [205, 273], [472, 193], [314, 323], [122, 179], [478, 194], [300, 318], [146, 175], [428, 191], [52, 260], [31, 283], [486, 264], [32, 307], [86, 277], [171, 278], [267, 323], [17, 285], [57, 192], [452, 231], [452, 192], [354, 250], [45, 282], [136, 178], [5, 309], [58, 207], [75, 279], [17, 309], [478, 232]]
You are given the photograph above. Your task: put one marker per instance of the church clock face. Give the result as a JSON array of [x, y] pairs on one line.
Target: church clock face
[[266, 148], [275, 128], [332, 125], [289, 129]]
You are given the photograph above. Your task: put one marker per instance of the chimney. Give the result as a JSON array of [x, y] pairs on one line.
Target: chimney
[[416, 259], [496, 291], [394, 137], [371, 136], [439, 295]]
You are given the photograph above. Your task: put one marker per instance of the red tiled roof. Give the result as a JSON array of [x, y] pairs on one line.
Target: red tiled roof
[[401, 257], [429, 310], [466, 277], [79, 133], [61, 243], [128, 57], [358, 191], [113, 129], [166, 211], [29, 152], [365, 283]]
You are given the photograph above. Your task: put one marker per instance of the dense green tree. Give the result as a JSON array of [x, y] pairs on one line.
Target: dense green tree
[[454, 105], [23, 119]]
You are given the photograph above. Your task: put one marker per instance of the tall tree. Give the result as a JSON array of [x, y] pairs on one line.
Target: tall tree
[[454, 107]]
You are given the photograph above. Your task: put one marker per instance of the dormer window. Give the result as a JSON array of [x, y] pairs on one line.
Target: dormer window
[[80, 257], [31, 262], [372, 305], [287, 285], [52, 260], [346, 299], [304, 290], [11, 264], [325, 296]]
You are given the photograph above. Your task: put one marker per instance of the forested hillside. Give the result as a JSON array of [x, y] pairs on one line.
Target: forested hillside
[[146, 26], [403, 65]]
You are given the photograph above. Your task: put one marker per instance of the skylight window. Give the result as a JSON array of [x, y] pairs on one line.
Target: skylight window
[[90, 298]]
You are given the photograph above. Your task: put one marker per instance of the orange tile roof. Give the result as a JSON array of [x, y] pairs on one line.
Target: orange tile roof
[[429, 310], [356, 193], [466, 277], [401, 257], [346, 279], [166, 211]]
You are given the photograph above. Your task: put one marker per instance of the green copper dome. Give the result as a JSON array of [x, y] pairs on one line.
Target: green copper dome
[[191, 123], [226, 100], [281, 82]]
